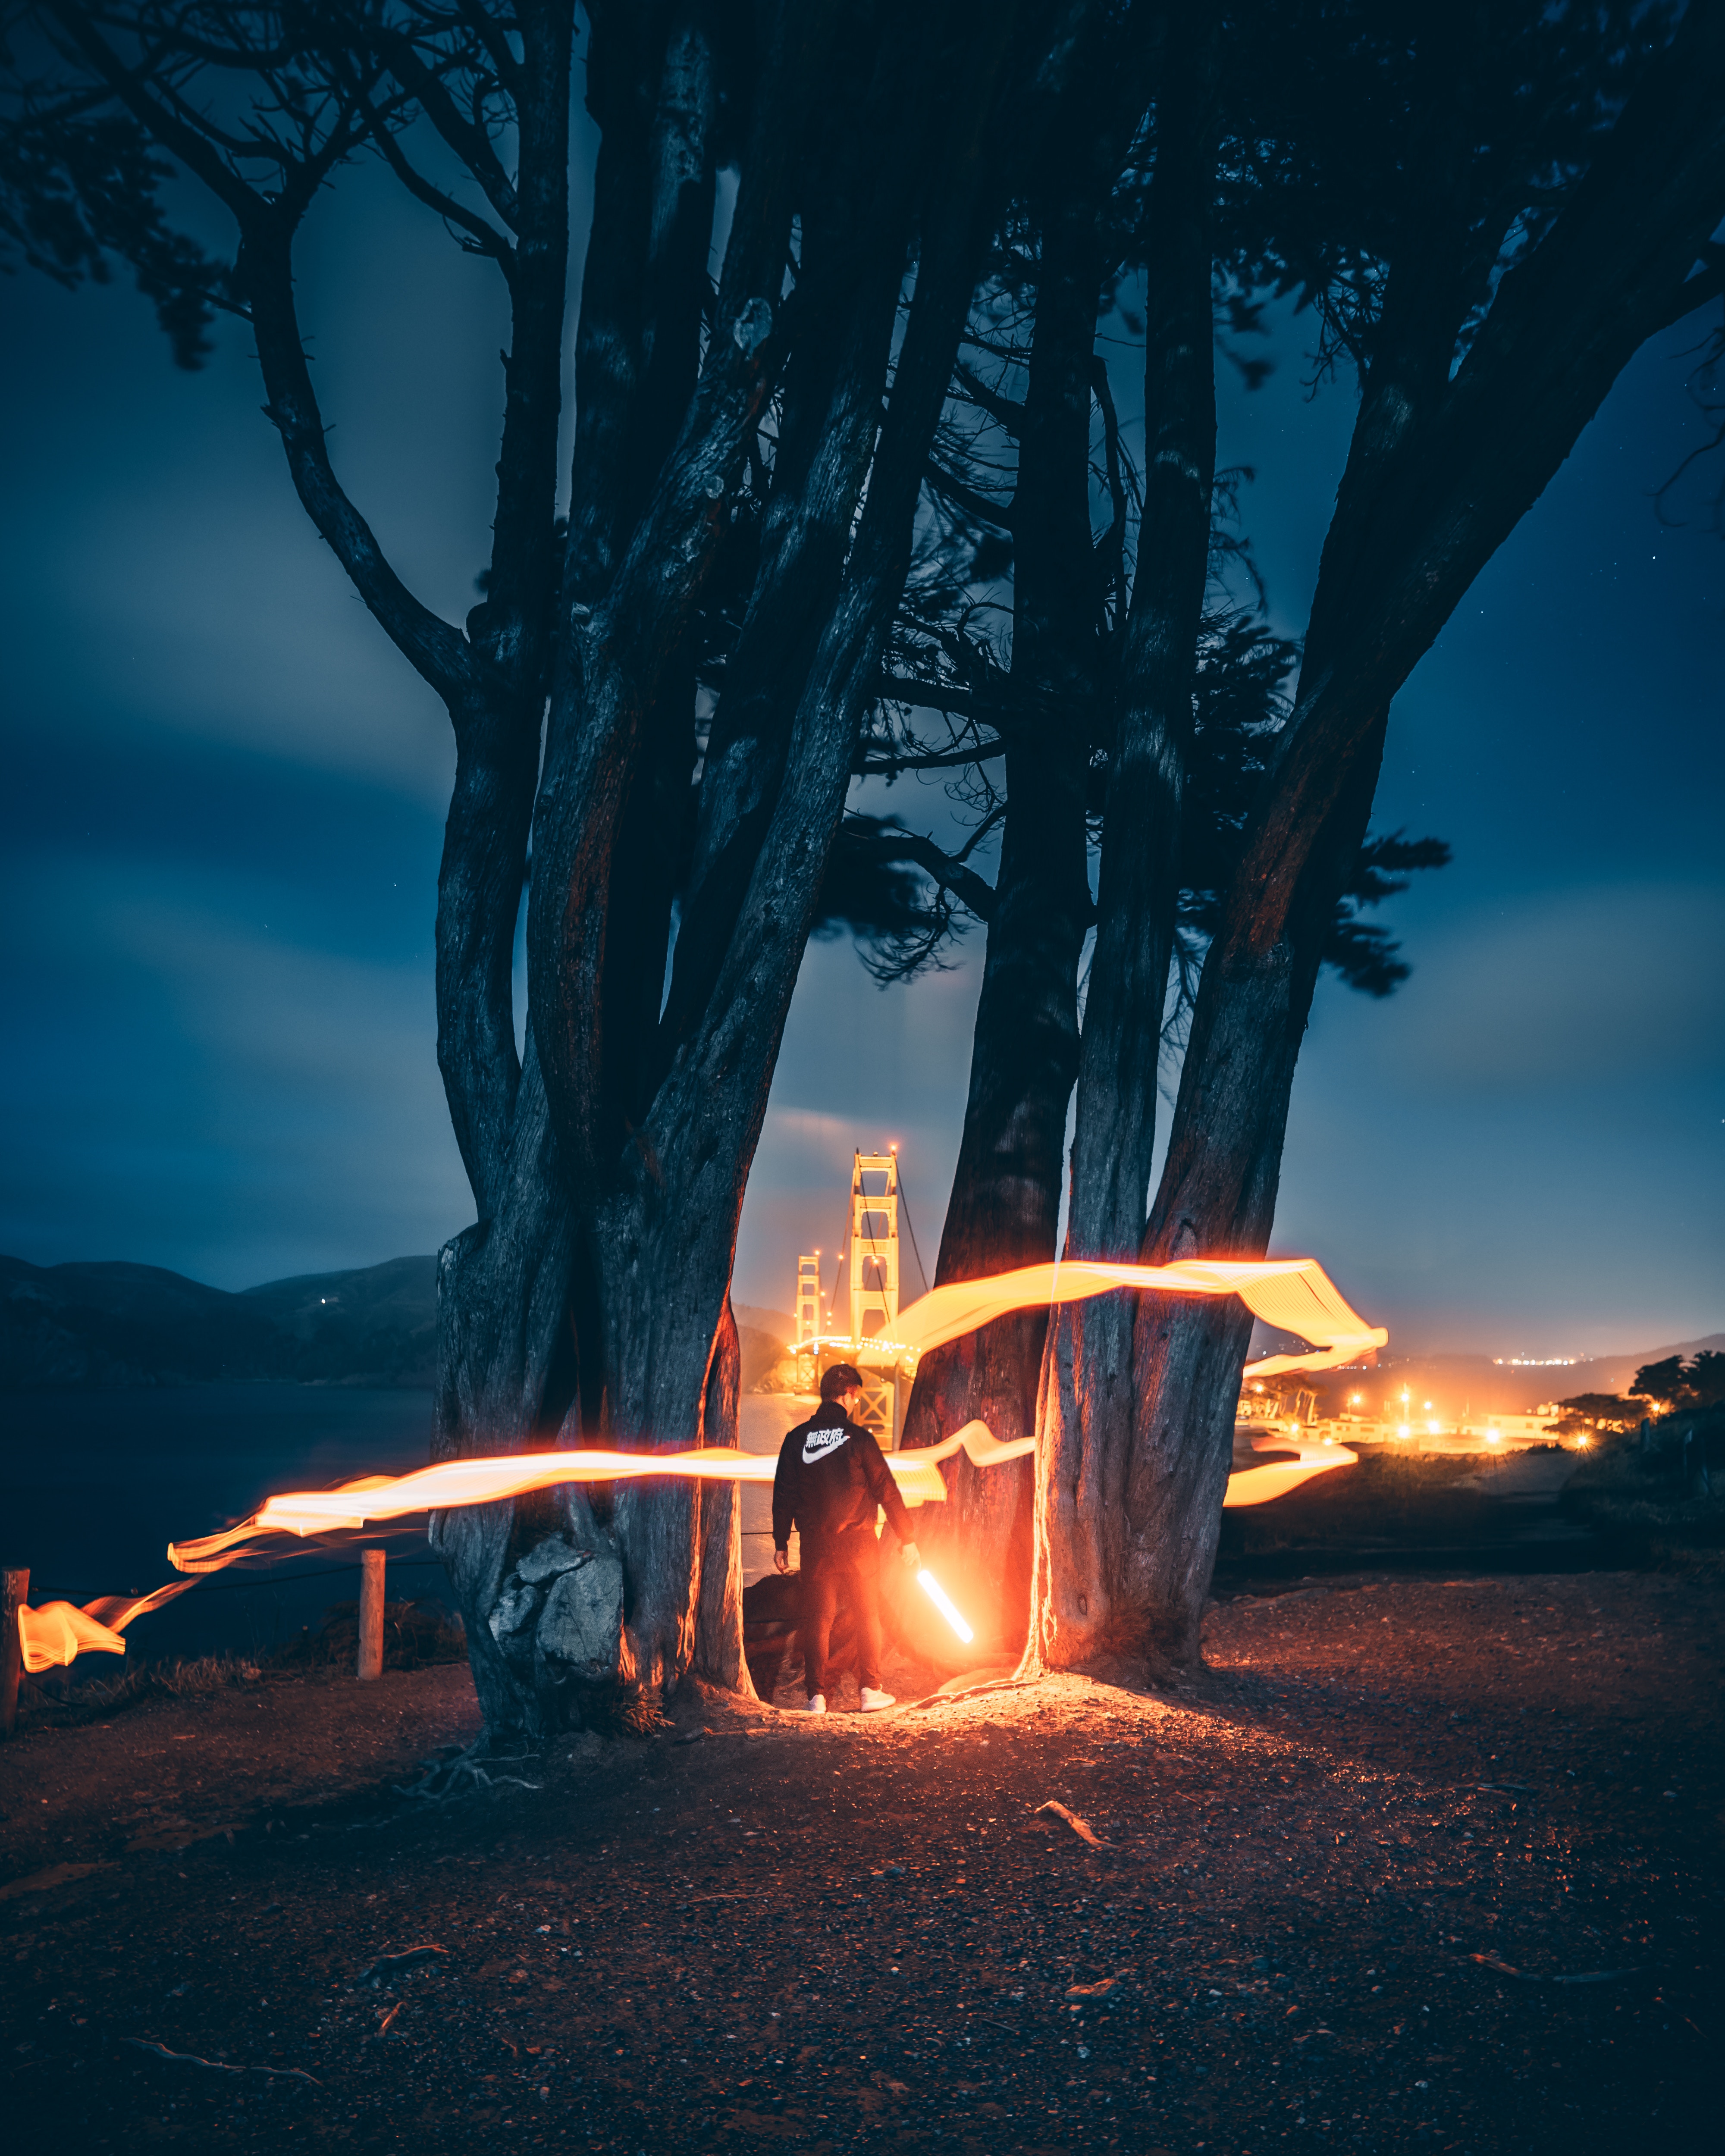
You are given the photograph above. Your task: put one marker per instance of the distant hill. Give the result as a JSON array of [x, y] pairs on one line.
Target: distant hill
[[116, 1324], [1615, 1374], [763, 1335], [1475, 1383], [777, 1324], [89, 1325]]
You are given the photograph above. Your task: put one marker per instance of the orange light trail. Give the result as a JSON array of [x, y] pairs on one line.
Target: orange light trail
[[1293, 1294]]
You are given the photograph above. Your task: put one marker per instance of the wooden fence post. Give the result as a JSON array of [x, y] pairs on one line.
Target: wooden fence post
[[371, 1613], [14, 1593]]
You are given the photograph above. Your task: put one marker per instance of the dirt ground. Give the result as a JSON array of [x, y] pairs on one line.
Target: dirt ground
[[1413, 1865]]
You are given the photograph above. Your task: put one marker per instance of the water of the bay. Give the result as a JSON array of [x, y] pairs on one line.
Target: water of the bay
[[95, 1485]]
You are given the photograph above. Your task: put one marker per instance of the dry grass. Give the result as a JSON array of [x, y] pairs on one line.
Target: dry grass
[[1413, 1500], [1633, 1499], [57, 1700], [414, 1634]]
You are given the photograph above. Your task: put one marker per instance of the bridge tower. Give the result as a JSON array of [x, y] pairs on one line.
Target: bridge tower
[[808, 1301], [873, 1245], [869, 1342]]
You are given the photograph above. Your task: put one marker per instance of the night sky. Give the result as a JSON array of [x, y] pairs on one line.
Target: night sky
[[224, 794]]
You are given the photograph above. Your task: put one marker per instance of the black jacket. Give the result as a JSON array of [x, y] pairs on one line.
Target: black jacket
[[831, 1475]]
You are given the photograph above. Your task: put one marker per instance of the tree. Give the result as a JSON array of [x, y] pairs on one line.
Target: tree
[[1700, 1383], [1557, 178], [1433, 190], [1705, 1377], [1598, 1411], [1061, 709], [1031, 479], [1005, 1200], [679, 833]]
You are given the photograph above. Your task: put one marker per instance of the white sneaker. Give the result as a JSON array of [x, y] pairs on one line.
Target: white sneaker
[[874, 1702], [817, 1705]]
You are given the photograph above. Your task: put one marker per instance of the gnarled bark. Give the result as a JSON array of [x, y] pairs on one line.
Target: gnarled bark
[[1085, 1455], [1004, 1208], [654, 1148]]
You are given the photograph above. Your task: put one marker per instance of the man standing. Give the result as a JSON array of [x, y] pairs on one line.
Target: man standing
[[831, 1477]]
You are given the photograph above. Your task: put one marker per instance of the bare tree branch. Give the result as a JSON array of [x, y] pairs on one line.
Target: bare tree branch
[[470, 141], [1006, 411], [951, 488], [482, 238], [974, 892]]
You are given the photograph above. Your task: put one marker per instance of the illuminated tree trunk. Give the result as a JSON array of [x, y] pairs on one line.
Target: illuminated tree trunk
[[1004, 1208], [1005, 1204], [1084, 1457]]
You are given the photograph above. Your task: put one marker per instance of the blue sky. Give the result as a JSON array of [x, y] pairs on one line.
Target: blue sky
[[224, 801]]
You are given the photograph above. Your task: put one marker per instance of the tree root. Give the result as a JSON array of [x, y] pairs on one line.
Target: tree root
[[972, 1691], [447, 1778]]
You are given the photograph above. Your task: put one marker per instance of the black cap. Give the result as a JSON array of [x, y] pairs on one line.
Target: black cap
[[838, 1380]]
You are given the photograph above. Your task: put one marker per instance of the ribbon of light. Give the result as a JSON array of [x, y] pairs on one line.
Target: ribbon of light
[[1293, 1294]]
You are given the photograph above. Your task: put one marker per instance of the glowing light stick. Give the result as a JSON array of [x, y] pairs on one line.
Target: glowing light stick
[[943, 1602]]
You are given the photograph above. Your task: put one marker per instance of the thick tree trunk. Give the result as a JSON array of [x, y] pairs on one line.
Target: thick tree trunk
[[599, 1601], [1085, 1429], [503, 1360], [580, 1602], [1005, 1204], [1217, 1196], [1004, 1209]]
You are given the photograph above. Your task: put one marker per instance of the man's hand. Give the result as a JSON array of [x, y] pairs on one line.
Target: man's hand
[[912, 1557], [780, 1560]]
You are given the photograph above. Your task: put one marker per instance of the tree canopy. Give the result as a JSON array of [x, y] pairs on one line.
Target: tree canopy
[[1699, 1382]]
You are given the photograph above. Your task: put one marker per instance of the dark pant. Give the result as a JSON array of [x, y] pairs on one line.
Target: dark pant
[[850, 1568]]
